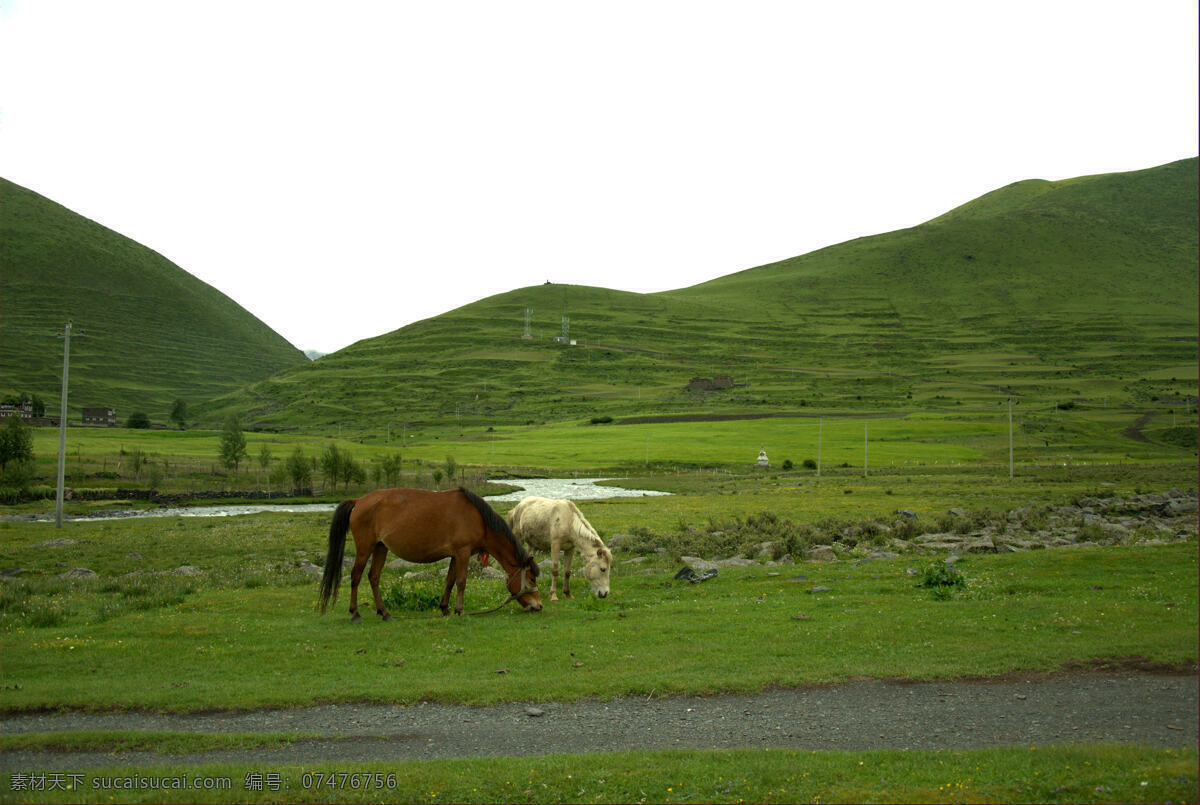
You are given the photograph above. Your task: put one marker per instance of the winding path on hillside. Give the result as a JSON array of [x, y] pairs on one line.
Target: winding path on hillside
[[1157, 709]]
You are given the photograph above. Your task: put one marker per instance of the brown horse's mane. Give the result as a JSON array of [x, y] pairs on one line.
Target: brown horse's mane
[[496, 523]]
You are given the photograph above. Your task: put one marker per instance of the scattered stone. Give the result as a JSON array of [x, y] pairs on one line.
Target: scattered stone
[[398, 564], [134, 555], [734, 562], [980, 545], [909, 513], [957, 512], [534, 712], [819, 589], [57, 543], [490, 572], [78, 573], [821, 553], [616, 540], [696, 563], [10, 572]]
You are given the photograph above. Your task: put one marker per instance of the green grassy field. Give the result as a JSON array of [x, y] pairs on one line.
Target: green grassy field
[[1116, 774], [900, 451], [242, 632]]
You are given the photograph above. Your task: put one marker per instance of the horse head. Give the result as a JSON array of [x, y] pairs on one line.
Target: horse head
[[522, 584], [598, 570]]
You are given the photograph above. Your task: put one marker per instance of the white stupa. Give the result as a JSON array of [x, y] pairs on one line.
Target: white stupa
[[762, 458]]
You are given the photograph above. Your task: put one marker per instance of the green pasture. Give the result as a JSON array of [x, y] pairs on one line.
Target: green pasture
[[919, 442], [243, 632], [1101, 774]]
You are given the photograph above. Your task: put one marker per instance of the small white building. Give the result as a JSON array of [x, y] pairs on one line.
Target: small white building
[[762, 459]]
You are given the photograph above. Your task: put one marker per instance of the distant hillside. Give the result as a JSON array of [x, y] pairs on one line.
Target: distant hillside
[[153, 332], [1046, 290]]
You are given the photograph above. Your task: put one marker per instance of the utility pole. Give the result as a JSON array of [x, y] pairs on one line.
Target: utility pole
[[62, 426], [1010, 440], [820, 427], [864, 449]]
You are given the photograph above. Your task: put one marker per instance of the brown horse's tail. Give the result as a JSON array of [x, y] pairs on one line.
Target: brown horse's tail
[[337, 550]]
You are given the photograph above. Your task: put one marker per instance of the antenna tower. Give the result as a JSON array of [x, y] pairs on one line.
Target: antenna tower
[[528, 320]]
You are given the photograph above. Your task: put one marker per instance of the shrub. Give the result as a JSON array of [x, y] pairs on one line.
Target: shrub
[[400, 596], [601, 420], [941, 579], [787, 464], [808, 464], [138, 419]]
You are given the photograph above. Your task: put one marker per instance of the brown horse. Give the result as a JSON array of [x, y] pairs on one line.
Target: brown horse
[[423, 526]]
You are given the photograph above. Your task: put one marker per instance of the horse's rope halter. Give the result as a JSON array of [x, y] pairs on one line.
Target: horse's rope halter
[[525, 589]]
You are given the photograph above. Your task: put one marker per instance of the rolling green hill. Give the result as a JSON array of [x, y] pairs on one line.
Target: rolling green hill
[[1082, 290], [154, 333]]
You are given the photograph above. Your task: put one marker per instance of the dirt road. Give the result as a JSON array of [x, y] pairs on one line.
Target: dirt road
[[1123, 707]]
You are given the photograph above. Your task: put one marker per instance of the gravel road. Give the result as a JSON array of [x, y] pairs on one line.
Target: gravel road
[[1126, 707]]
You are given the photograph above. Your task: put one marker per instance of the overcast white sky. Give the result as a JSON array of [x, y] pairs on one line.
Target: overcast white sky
[[343, 169]]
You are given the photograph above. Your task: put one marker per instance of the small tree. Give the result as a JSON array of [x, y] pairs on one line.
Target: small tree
[[233, 444], [437, 479], [351, 470], [16, 452], [392, 465], [137, 461], [299, 469], [39, 407], [332, 461], [138, 419], [179, 414], [264, 461]]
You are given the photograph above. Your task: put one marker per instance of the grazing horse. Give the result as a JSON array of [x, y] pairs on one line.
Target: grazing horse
[[558, 525], [423, 526]]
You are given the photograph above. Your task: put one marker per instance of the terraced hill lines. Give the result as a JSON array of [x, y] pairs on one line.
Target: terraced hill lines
[[1044, 289]]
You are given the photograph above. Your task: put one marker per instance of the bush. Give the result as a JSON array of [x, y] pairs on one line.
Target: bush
[[808, 464], [942, 579], [138, 419], [400, 596], [601, 420], [787, 464]]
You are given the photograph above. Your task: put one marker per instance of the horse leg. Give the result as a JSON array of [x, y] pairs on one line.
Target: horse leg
[[569, 553], [554, 550], [451, 574], [461, 581], [360, 561], [378, 556]]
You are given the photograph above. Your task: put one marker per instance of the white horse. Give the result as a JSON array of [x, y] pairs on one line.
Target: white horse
[[558, 525]]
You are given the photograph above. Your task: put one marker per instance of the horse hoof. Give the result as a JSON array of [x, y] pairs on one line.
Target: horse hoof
[[553, 598], [355, 618], [387, 616]]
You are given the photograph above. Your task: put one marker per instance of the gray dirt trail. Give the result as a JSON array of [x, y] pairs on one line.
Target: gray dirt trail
[[1126, 707]]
